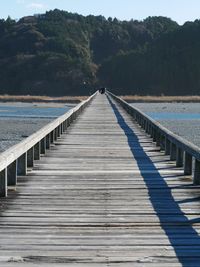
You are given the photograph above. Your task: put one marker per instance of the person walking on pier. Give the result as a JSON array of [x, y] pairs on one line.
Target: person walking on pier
[[102, 90]]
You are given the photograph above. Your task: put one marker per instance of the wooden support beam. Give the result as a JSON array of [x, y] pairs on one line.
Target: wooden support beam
[[187, 164], [172, 151], [154, 134], [162, 142], [30, 157], [158, 137], [167, 146], [37, 151], [43, 146], [12, 174], [3, 183], [52, 137], [48, 141], [22, 165], [58, 131], [196, 174], [179, 157]]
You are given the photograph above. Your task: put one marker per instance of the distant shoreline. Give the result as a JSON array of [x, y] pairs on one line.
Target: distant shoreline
[[158, 99], [42, 99], [78, 99]]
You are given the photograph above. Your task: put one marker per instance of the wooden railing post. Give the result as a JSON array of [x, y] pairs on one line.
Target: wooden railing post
[[48, 141], [196, 175], [68, 122], [43, 146], [15, 162], [55, 134], [12, 174], [52, 137], [22, 164], [167, 146], [179, 157], [172, 151], [37, 151], [147, 129], [187, 164], [58, 131], [30, 157], [162, 142], [154, 134], [157, 138], [61, 128], [151, 131], [65, 125], [179, 149], [3, 183]]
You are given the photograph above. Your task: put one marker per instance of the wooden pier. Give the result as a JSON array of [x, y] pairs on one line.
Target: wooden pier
[[103, 194]]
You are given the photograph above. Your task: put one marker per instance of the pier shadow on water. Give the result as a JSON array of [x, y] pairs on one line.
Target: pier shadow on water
[[178, 228]]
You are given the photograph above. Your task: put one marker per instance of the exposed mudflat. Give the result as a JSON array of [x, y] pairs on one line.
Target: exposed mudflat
[[20, 120], [181, 118]]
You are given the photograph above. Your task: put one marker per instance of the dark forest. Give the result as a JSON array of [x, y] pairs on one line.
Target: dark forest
[[60, 53]]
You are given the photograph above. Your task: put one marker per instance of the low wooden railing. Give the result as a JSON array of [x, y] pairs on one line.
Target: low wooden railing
[[186, 154], [16, 159]]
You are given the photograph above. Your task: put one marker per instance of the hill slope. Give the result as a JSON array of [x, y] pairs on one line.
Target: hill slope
[[60, 53], [170, 65]]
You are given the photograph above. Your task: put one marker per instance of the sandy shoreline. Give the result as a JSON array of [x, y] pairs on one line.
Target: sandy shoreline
[[78, 99], [42, 99], [160, 99]]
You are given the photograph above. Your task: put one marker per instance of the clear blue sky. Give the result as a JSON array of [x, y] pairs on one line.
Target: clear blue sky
[[179, 10]]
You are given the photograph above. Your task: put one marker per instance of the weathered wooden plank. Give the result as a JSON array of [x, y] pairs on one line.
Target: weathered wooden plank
[[103, 195]]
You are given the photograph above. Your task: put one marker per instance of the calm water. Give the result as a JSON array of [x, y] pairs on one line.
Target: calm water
[[181, 118], [32, 111], [174, 116]]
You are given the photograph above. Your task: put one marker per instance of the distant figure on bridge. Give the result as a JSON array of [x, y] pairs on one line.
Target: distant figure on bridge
[[102, 90]]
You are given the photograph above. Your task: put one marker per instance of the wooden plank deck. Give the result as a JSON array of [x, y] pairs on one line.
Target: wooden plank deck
[[103, 195]]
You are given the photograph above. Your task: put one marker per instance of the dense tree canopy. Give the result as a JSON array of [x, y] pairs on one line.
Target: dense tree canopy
[[169, 65], [60, 53]]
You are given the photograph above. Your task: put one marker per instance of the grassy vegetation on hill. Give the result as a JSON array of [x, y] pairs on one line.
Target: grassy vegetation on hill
[[60, 53]]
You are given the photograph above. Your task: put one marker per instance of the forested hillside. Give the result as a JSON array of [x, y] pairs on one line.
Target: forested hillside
[[60, 53], [169, 65]]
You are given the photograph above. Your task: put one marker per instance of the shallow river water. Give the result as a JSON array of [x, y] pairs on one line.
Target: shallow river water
[[181, 118], [19, 120]]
